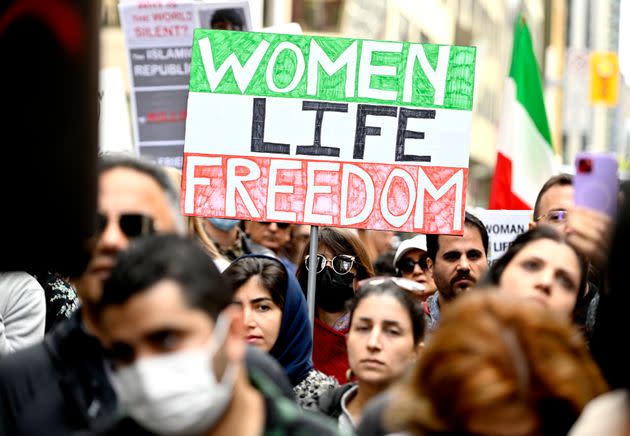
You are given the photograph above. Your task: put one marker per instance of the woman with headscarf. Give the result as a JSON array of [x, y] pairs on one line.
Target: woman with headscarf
[[276, 321]]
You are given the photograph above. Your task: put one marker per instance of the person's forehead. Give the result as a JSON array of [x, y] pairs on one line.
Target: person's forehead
[[379, 308], [127, 190], [160, 307], [557, 197], [470, 240]]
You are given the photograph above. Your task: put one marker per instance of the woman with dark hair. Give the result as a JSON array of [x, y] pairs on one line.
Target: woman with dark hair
[[276, 321], [542, 266], [341, 262], [386, 330]]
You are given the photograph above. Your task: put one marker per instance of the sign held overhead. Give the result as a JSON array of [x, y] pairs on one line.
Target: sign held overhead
[[328, 131]]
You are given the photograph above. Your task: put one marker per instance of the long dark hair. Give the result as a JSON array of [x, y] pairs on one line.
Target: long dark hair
[[536, 234]]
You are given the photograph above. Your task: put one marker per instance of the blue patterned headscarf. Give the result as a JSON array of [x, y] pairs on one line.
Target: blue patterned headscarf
[[293, 348]]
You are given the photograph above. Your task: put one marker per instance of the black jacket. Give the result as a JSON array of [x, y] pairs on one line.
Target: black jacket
[[57, 387]]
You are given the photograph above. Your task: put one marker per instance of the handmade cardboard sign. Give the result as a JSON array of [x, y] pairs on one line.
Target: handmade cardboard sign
[[328, 131], [158, 35]]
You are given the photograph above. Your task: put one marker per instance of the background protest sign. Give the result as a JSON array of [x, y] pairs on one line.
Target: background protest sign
[[159, 36], [328, 131], [503, 227]]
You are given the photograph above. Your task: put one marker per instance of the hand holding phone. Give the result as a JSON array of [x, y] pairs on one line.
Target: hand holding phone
[[596, 183]]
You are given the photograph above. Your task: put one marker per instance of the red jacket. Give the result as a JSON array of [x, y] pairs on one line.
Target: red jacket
[[330, 355]]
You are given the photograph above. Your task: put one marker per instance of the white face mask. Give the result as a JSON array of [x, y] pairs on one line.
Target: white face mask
[[177, 393]]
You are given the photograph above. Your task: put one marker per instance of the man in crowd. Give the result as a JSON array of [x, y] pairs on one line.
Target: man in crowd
[[587, 229], [273, 236], [177, 346], [410, 262], [59, 386], [457, 264]]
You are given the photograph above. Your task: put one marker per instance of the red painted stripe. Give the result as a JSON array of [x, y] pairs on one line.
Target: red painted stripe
[[501, 195]]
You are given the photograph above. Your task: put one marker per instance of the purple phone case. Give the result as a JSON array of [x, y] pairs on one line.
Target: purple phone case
[[599, 188]]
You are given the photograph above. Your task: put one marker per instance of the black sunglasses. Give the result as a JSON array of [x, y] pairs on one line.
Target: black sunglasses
[[407, 265], [280, 225], [131, 224]]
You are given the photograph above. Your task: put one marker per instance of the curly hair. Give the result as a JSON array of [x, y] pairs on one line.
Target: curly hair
[[497, 366]]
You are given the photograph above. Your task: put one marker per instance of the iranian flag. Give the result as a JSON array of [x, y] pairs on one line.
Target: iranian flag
[[524, 152]]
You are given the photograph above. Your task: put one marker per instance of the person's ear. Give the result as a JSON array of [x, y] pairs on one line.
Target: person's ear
[[430, 265], [532, 225]]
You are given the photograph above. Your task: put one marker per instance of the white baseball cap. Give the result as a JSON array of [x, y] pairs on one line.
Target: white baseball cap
[[418, 242]]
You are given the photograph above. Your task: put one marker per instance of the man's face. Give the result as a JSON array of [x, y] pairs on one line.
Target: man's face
[[122, 191], [459, 263], [153, 322], [269, 234], [557, 199]]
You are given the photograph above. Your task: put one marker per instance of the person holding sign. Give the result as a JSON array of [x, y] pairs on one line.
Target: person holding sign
[[341, 262], [276, 321]]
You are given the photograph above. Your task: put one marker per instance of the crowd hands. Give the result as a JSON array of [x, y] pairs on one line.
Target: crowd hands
[[195, 326]]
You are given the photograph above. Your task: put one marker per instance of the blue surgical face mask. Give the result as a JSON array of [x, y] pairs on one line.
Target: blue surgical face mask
[[224, 224]]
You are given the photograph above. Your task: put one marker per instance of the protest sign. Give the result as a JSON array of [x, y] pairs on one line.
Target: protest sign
[[503, 227], [328, 131], [159, 37]]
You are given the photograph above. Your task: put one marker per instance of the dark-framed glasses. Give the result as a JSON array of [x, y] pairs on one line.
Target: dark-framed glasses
[[407, 265], [131, 224], [341, 264], [558, 216]]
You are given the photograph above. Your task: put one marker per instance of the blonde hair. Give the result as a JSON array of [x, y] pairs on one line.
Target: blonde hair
[[194, 224], [496, 365]]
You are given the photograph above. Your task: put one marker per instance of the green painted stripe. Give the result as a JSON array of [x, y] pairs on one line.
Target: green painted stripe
[[458, 92], [526, 74]]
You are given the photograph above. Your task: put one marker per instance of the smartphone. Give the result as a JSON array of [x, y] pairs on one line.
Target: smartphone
[[596, 182]]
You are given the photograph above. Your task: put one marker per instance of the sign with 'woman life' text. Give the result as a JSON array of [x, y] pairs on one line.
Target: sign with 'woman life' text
[[328, 131]]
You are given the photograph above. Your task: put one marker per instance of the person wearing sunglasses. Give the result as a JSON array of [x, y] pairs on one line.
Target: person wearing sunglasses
[[341, 262], [135, 198], [272, 235], [276, 321], [410, 262], [384, 341]]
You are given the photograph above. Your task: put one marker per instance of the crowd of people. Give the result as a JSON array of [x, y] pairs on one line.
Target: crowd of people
[[196, 326]]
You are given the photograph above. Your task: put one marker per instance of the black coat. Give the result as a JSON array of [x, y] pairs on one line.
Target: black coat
[[57, 387]]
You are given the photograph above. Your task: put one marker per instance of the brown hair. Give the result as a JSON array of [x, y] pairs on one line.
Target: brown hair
[[194, 224], [340, 241], [497, 366]]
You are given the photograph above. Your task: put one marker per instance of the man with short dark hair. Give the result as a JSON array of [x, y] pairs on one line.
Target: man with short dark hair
[[554, 200], [59, 387], [177, 347], [457, 264]]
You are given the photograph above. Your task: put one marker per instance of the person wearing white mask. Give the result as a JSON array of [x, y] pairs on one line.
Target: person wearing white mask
[[177, 356]]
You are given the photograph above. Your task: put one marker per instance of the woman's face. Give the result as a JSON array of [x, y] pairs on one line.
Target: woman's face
[[547, 272], [262, 317], [380, 340]]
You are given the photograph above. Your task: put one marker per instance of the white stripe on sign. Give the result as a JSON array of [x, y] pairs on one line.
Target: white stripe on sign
[[313, 129]]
